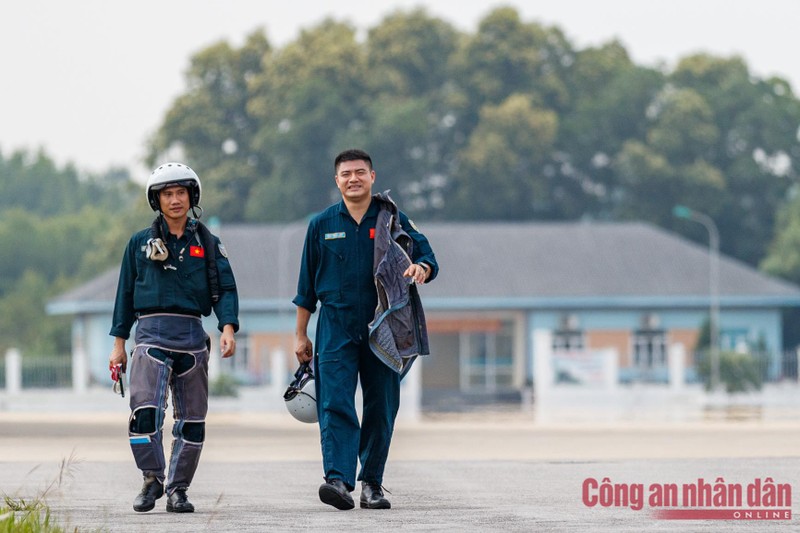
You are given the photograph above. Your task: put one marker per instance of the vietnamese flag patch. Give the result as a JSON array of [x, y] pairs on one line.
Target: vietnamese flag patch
[[196, 251], [371, 233]]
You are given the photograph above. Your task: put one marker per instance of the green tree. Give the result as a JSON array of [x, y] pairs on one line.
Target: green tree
[[23, 322], [507, 56], [783, 257], [574, 133], [212, 126], [409, 110], [738, 372], [756, 148], [63, 228], [611, 96], [500, 176], [32, 181], [671, 166], [47, 256], [409, 54], [307, 102]]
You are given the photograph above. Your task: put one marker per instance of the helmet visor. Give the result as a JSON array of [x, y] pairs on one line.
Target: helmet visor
[[183, 183]]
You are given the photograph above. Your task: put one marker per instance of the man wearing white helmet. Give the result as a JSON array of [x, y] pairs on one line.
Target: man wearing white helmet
[[172, 274]]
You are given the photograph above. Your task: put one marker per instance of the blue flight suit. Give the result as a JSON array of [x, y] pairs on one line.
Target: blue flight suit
[[336, 270], [167, 299], [178, 284]]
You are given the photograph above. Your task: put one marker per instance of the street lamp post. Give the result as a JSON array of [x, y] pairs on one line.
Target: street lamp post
[[681, 211]]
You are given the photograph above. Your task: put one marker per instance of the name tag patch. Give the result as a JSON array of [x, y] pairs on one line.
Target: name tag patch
[[337, 235]]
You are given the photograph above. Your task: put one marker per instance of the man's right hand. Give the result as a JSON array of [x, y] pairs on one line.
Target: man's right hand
[[304, 350], [118, 355]]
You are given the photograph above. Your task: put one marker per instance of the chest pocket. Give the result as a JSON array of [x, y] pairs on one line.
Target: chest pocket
[[147, 272], [194, 271], [332, 270]]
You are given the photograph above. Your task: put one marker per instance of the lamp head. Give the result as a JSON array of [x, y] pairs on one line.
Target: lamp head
[[681, 211]]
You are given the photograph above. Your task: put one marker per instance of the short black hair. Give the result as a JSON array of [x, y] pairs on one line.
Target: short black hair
[[353, 154]]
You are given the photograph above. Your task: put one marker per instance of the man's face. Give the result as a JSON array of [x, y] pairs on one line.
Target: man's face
[[174, 202], [355, 179]]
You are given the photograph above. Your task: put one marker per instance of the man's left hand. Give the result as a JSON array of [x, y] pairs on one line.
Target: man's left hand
[[227, 344], [418, 272]]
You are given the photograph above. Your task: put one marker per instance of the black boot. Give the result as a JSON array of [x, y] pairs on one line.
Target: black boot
[[334, 492], [372, 496], [152, 490], [178, 503]]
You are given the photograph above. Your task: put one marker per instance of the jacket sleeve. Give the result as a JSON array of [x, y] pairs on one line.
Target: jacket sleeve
[[306, 288], [124, 317], [423, 253], [226, 308]]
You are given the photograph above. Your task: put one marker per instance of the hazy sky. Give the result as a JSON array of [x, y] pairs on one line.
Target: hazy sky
[[90, 80]]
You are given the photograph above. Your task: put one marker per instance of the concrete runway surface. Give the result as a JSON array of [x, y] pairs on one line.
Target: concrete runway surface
[[484, 472]]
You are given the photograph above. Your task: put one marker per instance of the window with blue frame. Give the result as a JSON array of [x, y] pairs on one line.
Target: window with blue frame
[[733, 339], [486, 359], [650, 349], [569, 336], [568, 340]]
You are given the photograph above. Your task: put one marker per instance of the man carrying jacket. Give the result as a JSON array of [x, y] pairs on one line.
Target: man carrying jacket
[[338, 270]]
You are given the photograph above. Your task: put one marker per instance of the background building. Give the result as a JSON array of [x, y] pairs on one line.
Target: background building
[[630, 287]]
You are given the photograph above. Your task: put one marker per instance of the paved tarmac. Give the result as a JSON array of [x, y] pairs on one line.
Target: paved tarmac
[[481, 472]]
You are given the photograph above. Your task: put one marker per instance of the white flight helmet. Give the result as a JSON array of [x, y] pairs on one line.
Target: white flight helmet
[[173, 174], [301, 397]]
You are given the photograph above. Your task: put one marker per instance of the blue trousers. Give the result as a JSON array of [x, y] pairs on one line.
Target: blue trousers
[[345, 442]]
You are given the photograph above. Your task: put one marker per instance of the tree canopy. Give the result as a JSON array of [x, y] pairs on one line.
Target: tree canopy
[[57, 229], [510, 122]]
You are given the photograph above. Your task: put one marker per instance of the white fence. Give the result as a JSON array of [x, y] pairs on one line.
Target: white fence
[[18, 372], [585, 386], [24, 378], [588, 387]]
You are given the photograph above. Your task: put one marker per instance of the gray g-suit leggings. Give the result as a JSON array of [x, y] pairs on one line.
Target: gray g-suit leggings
[[153, 372]]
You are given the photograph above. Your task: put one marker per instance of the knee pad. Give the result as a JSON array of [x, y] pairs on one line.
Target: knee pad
[[143, 421], [194, 431]]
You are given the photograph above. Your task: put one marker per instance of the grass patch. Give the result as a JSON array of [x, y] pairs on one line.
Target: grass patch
[[32, 515], [224, 385], [20, 516]]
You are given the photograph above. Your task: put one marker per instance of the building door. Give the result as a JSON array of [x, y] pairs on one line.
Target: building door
[[471, 355]]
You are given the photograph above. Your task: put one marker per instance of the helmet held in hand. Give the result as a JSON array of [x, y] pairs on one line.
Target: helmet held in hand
[[301, 397]]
